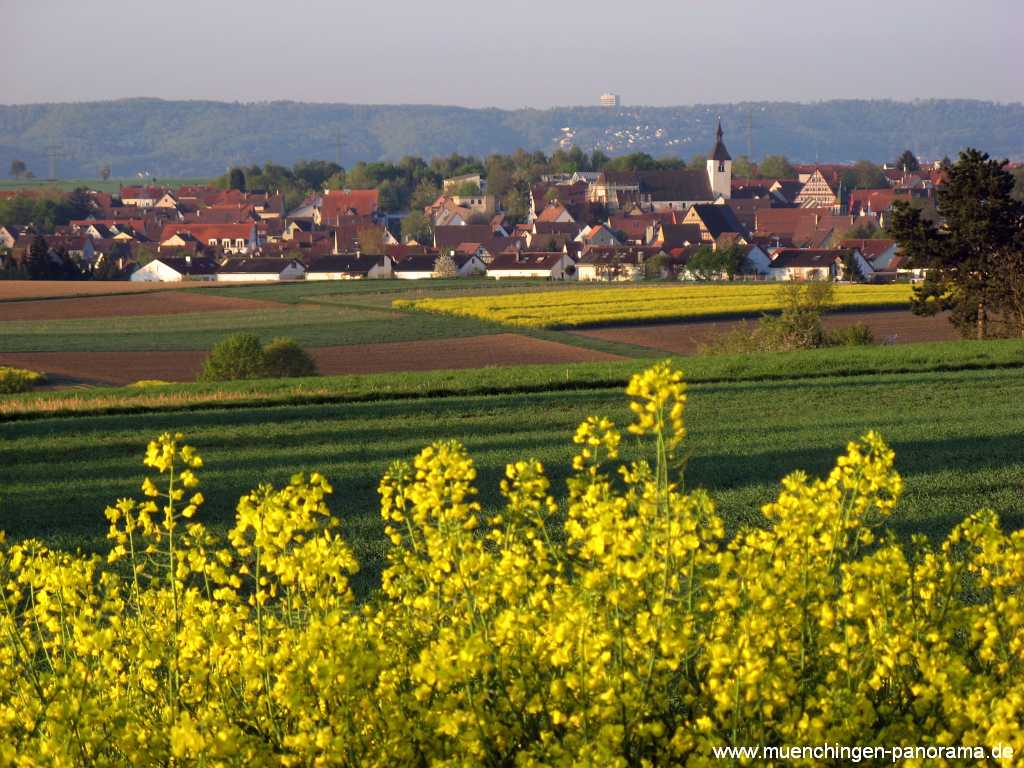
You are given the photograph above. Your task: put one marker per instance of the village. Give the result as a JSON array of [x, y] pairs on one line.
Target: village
[[586, 226]]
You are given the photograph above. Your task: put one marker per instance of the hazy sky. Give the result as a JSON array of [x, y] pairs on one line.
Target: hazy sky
[[511, 54]]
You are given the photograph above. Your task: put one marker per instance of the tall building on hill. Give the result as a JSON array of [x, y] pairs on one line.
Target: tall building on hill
[[720, 167], [610, 100]]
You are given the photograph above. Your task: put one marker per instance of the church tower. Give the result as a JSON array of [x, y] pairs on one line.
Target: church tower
[[720, 167]]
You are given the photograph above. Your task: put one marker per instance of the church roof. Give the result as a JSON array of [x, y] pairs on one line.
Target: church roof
[[720, 152]]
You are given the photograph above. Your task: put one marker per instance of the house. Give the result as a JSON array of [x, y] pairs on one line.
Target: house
[[174, 269], [420, 267], [614, 264], [756, 262], [879, 252], [555, 213], [448, 237], [597, 236], [538, 265], [141, 197], [230, 238], [714, 221], [817, 192], [260, 270], [816, 263], [466, 179], [349, 267], [342, 203]]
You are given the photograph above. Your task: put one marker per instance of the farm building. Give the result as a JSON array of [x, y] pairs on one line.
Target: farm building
[[260, 270], [168, 269], [423, 267], [816, 263], [540, 265], [354, 267]]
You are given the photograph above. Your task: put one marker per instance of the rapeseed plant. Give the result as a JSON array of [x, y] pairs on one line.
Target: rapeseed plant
[[621, 628]]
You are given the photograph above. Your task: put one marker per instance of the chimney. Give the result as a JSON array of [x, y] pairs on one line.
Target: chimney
[[188, 259]]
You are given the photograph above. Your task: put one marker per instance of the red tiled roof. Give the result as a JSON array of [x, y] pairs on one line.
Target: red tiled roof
[[340, 202], [205, 232]]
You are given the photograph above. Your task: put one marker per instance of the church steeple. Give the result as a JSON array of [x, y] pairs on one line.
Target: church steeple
[[720, 152], [720, 167]]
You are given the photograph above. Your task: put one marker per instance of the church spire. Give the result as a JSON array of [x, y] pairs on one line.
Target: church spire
[[720, 152]]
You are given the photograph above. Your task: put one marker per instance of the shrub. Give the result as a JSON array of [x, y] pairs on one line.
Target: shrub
[[14, 380], [856, 335], [639, 634], [237, 357], [283, 358], [797, 326]]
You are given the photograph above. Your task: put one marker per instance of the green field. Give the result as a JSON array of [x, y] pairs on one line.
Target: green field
[[312, 326], [959, 437], [110, 185]]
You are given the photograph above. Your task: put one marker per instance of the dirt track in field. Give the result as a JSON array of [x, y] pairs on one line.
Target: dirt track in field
[[469, 352], [688, 338], [136, 305], [45, 289]]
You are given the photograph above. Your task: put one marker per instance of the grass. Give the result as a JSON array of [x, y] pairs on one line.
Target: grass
[[110, 185], [809, 364], [633, 304], [313, 326], [959, 437]]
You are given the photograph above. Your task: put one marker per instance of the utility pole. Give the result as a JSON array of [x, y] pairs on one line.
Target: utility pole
[[750, 134], [53, 152]]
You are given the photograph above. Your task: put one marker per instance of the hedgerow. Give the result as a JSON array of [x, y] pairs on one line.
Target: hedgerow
[[623, 629]]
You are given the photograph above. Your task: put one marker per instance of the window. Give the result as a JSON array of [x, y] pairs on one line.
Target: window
[[721, 166], [239, 243], [213, 241], [226, 242]]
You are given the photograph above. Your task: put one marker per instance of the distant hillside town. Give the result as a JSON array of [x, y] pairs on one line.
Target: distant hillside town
[[615, 223]]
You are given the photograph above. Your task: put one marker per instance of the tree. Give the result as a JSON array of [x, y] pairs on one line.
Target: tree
[[371, 240], [239, 356], [445, 266], [416, 226], [776, 167], [706, 263], [851, 268], [734, 259], [39, 259], [315, 173], [698, 163], [236, 179], [466, 189], [865, 230], [18, 168], [743, 168], [105, 172], [864, 175], [908, 162], [975, 261]]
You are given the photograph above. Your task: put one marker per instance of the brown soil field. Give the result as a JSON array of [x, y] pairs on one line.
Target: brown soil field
[[131, 305], [46, 289], [687, 338], [469, 352]]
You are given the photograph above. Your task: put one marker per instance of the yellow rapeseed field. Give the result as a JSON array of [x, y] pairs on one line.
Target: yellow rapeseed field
[[621, 627], [625, 304]]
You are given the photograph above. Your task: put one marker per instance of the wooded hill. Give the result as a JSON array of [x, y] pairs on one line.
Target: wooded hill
[[204, 137]]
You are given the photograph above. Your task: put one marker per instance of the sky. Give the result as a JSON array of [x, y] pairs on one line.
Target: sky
[[528, 53]]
